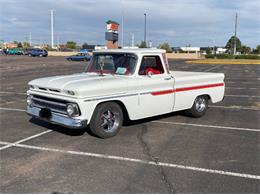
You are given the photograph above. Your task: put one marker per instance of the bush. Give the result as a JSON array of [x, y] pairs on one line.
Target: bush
[[251, 56], [220, 56], [229, 56]]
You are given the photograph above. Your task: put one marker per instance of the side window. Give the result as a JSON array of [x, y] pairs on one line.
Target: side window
[[151, 64]]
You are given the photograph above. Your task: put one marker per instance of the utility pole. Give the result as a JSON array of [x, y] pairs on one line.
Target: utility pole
[[133, 40], [52, 41], [122, 23], [145, 28], [122, 30], [235, 41]]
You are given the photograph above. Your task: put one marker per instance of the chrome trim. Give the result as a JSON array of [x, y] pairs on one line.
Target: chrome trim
[[117, 96], [58, 119], [49, 102]]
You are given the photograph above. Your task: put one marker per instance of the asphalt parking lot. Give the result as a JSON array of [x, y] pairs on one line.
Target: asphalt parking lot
[[218, 153]]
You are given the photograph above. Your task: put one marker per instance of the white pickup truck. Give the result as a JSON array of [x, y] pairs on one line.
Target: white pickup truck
[[122, 84]]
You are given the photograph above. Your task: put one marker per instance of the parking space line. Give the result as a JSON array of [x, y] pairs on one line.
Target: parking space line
[[243, 88], [134, 160], [12, 109], [25, 139], [10, 92], [242, 82], [236, 107], [212, 68], [243, 96], [211, 126]]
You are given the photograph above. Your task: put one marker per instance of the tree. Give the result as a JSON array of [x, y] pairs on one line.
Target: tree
[[142, 45], [231, 42], [258, 49], [84, 46], [71, 44], [208, 51], [26, 44], [245, 49], [20, 45], [166, 47]]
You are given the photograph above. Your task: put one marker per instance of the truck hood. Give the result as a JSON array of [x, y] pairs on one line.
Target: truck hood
[[83, 84]]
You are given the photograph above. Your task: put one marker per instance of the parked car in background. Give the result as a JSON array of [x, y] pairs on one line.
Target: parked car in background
[[38, 52], [80, 57], [15, 51], [28, 51]]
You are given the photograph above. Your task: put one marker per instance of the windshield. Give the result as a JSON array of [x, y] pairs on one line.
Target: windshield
[[113, 63]]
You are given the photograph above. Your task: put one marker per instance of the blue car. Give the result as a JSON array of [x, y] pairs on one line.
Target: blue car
[[38, 52], [80, 57]]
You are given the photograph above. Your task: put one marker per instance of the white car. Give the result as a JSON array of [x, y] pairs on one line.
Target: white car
[[122, 84]]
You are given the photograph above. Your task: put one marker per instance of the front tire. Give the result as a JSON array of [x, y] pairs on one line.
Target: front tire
[[107, 120], [199, 107]]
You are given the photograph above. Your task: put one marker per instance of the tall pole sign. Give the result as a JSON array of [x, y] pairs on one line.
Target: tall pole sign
[[112, 34]]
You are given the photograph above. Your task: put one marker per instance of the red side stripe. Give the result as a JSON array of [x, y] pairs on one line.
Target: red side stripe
[[199, 87], [186, 89], [163, 92]]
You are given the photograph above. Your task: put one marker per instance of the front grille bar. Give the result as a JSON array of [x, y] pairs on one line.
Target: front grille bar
[[53, 106]]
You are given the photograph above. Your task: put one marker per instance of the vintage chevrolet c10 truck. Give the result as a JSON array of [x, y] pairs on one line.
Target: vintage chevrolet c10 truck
[[122, 84]]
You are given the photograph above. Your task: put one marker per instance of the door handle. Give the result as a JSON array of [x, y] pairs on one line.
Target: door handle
[[168, 78]]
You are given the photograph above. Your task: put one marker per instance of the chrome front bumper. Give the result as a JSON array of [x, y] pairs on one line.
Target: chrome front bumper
[[58, 119]]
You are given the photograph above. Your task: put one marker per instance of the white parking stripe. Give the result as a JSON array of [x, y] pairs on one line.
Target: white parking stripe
[[236, 107], [243, 96], [211, 126], [252, 88], [212, 68], [134, 160], [11, 92], [25, 139], [12, 109]]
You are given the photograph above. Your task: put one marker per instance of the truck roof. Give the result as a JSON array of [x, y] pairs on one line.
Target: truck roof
[[129, 50]]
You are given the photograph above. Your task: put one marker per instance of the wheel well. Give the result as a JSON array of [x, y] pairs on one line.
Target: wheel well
[[122, 106], [208, 96]]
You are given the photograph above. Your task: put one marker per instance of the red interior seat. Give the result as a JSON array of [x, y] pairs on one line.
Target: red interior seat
[[154, 71]]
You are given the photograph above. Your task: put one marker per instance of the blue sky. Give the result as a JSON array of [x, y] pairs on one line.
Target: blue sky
[[179, 22]]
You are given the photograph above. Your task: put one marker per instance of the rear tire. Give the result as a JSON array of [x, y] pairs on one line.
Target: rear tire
[[107, 120], [199, 107]]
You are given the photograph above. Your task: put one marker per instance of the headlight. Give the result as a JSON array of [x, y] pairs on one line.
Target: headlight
[[29, 100], [72, 109]]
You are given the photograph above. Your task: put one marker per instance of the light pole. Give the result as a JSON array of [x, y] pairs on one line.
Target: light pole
[[235, 41], [145, 28], [52, 41]]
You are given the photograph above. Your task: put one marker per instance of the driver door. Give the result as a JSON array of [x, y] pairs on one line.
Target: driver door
[[155, 87]]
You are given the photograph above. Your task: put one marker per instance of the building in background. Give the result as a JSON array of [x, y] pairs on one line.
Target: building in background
[[9, 45]]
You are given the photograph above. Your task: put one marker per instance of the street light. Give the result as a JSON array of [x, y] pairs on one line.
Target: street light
[[145, 28]]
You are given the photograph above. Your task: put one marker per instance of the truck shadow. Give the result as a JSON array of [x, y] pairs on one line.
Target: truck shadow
[[80, 132], [60, 129]]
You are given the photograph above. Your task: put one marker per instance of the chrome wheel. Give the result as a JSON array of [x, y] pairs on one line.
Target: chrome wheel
[[200, 104], [109, 121]]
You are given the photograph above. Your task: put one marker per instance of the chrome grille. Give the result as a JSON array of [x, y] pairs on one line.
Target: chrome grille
[[52, 104]]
